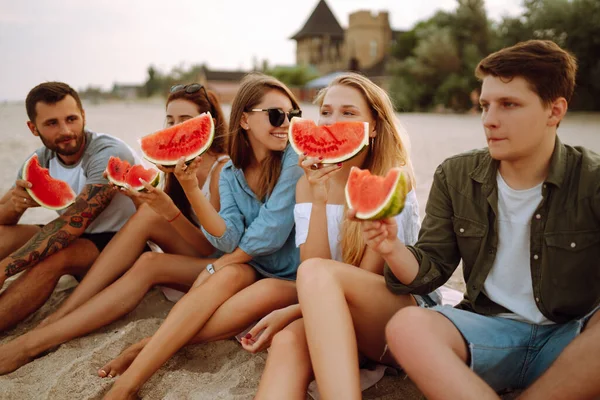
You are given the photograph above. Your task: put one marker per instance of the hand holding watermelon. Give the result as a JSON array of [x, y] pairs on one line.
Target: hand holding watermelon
[[317, 175], [186, 174], [20, 199], [154, 197], [381, 236]]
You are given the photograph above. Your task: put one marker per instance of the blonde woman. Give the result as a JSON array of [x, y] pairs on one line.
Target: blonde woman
[[343, 276]]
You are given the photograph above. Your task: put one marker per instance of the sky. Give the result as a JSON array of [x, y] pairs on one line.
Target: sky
[[100, 42]]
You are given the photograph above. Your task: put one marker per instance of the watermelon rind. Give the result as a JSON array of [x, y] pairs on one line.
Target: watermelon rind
[[31, 192], [188, 157], [334, 160], [391, 206]]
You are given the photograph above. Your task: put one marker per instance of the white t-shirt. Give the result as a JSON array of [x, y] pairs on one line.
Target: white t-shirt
[[88, 171], [408, 223], [509, 281]]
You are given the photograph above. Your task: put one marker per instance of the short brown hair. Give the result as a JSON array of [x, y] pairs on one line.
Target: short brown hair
[[550, 70], [49, 93]]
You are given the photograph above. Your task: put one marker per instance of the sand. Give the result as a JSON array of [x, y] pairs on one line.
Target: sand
[[220, 370]]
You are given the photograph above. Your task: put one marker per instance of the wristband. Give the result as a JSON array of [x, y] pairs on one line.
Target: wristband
[[175, 217], [210, 269]]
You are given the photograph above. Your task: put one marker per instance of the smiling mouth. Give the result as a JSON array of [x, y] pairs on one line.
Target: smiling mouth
[[280, 135]]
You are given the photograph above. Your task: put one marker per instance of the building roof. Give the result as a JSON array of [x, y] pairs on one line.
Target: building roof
[[321, 22], [229, 76]]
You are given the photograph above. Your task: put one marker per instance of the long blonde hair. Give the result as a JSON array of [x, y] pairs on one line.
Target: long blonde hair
[[386, 150], [252, 89]]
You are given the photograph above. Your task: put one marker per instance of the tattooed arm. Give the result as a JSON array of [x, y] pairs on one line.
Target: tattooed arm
[[59, 233]]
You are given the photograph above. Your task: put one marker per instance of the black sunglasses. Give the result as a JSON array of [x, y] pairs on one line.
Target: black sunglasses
[[191, 89], [277, 115]]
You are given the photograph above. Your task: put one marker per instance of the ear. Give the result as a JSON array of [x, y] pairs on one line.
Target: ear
[[373, 127], [32, 128], [244, 121], [83, 116], [558, 109]]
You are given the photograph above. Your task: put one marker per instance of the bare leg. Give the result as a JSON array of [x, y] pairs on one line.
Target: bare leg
[[14, 236], [345, 309], [112, 303], [33, 287], [288, 368], [120, 254], [434, 354], [184, 321], [574, 374], [235, 315]]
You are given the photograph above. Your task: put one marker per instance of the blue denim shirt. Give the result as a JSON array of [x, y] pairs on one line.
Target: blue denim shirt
[[264, 231]]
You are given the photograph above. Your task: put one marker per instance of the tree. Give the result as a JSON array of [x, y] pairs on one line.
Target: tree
[[152, 83]]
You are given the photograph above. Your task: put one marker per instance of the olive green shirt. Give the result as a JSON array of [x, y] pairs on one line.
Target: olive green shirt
[[461, 224]]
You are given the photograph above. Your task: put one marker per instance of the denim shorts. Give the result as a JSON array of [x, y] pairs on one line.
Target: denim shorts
[[509, 354]]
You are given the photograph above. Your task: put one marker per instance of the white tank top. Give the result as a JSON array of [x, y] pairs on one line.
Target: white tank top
[[206, 187]]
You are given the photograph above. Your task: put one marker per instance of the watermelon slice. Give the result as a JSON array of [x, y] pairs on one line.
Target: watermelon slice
[[48, 192], [188, 139], [116, 171], [121, 173], [335, 143], [376, 197], [137, 172]]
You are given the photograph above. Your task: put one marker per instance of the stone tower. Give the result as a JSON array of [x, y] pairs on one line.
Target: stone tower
[[320, 42], [368, 38], [324, 44]]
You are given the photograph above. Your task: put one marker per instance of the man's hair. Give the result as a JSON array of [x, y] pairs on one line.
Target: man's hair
[[549, 70], [49, 93]]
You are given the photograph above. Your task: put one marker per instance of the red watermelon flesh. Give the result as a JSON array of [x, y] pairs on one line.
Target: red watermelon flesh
[[137, 172], [48, 192], [335, 143], [116, 170], [188, 139], [376, 197]]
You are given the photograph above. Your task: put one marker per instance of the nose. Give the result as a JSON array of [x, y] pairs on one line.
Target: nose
[[490, 117], [64, 128]]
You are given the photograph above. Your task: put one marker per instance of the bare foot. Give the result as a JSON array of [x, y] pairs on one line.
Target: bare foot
[[13, 356], [120, 392], [120, 364]]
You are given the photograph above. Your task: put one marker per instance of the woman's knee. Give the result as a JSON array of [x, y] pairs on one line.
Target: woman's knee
[[234, 277], [289, 342], [147, 266], [315, 272]]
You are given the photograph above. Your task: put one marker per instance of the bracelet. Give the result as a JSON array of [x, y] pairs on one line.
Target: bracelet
[[210, 269], [175, 217]]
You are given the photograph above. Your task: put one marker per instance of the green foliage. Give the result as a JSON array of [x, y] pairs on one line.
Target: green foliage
[[297, 75], [436, 58], [437, 65]]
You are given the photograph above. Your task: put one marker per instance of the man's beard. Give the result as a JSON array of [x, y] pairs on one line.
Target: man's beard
[[65, 151]]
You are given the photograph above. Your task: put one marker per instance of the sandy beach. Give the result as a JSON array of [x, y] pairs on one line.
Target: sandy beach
[[220, 370]]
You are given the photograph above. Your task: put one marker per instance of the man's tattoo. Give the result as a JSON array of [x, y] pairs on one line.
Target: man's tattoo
[[76, 221], [53, 237]]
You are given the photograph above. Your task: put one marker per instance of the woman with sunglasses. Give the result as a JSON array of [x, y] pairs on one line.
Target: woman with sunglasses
[[164, 217], [344, 302], [255, 228]]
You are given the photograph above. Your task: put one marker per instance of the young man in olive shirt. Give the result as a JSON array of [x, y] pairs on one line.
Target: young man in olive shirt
[[524, 217]]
